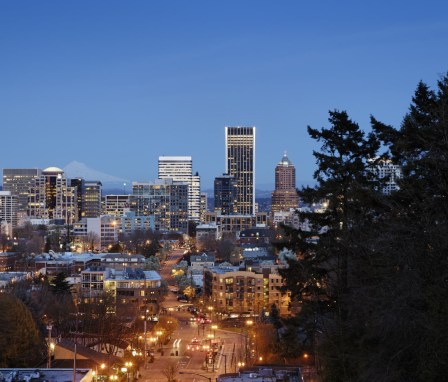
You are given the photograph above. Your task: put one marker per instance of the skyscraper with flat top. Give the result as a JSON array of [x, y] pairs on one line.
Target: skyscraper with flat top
[[240, 164], [19, 181], [180, 169]]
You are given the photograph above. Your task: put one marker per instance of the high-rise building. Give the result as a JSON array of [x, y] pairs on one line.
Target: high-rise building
[[166, 199], [52, 198], [180, 169], [194, 198], [91, 201], [79, 184], [88, 194], [116, 205], [8, 210], [240, 164], [204, 205], [387, 175], [225, 194], [285, 195], [19, 181]]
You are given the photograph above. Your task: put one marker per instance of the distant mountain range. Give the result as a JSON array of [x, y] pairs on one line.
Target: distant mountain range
[[115, 185], [77, 169]]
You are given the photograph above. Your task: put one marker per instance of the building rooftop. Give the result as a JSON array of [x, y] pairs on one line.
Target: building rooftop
[[69, 256], [90, 354], [260, 373], [202, 258], [53, 169], [44, 375], [121, 256], [285, 161]]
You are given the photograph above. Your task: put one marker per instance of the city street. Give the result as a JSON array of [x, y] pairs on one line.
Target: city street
[[192, 363]]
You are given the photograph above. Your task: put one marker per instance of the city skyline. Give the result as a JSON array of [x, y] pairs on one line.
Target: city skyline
[[116, 85]]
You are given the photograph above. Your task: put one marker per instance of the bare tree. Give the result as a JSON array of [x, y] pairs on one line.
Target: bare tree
[[170, 371], [90, 242]]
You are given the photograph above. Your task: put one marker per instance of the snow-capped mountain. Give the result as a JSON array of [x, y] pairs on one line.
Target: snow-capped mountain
[[77, 169]]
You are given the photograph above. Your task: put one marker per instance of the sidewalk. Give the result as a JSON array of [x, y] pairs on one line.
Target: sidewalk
[[154, 371]]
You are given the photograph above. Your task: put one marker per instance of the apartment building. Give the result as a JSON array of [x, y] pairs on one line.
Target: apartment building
[[245, 290], [132, 290]]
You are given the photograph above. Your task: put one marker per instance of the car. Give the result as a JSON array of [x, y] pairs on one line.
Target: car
[[194, 345]]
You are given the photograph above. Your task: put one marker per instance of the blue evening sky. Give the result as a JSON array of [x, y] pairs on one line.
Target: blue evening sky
[[115, 84]]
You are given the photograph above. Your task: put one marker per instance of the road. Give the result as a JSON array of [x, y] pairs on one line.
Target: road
[[171, 260], [192, 366]]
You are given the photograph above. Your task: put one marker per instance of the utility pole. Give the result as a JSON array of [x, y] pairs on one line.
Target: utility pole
[[75, 342], [49, 327], [144, 356]]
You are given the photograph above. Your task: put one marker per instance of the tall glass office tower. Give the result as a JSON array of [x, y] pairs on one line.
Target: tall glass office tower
[[240, 164]]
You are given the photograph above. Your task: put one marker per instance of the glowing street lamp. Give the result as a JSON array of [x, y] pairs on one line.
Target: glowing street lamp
[[128, 368]]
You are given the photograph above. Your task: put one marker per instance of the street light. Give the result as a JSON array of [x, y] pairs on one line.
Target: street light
[[128, 368], [241, 364], [49, 343], [144, 354], [159, 335], [214, 327], [248, 325]]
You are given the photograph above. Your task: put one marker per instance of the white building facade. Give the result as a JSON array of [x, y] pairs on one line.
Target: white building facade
[[180, 169], [8, 211]]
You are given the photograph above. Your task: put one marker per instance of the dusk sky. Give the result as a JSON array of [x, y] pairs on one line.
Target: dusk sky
[[115, 84]]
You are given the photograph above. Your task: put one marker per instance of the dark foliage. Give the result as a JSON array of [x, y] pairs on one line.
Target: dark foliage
[[20, 343], [372, 275]]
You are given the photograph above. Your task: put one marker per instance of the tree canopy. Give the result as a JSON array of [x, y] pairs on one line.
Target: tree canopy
[[20, 343], [371, 275]]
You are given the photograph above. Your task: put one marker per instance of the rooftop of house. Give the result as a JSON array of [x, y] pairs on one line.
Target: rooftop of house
[[44, 375]]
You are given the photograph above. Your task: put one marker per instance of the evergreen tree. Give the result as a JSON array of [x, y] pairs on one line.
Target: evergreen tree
[[373, 286], [20, 343], [274, 317], [411, 318], [323, 275], [60, 285]]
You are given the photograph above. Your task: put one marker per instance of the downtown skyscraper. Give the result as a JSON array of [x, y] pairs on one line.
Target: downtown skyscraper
[[19, 181], [285, 195], [180, 169], [240, 164], [51, 197]]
